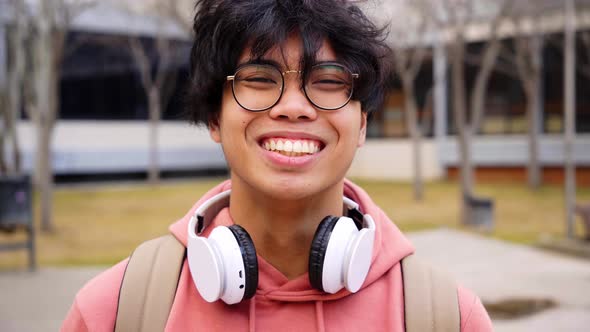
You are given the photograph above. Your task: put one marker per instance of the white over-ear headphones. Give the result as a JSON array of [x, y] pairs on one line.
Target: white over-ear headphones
[[224, 265]]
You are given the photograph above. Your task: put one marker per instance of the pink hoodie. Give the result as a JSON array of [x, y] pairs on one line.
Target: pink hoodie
[[279, 303]]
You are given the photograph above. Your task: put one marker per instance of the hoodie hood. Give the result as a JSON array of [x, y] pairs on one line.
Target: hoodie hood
[[274, 286]]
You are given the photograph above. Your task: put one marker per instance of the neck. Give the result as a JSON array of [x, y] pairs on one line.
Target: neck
[[282, 229]]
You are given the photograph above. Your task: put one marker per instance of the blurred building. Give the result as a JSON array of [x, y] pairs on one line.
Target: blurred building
[[500, 150], [103, 117], [102, 126]]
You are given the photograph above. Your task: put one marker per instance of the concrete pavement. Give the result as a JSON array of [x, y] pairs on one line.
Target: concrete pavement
[[497, 270], [38, 301], [493, 269]]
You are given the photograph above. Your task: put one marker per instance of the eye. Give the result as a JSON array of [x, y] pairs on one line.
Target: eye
[[258, 77], [329, 77], [328, 83]]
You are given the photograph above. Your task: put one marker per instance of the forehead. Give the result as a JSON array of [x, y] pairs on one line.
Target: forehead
[[290, 53]]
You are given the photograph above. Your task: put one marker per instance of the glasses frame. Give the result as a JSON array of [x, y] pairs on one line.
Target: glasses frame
[[282, 89]]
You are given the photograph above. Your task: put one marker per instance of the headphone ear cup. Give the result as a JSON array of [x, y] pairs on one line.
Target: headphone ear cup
[[250, 260], [317, 254]]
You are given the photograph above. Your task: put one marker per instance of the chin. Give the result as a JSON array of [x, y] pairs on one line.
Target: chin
[[297, 189]]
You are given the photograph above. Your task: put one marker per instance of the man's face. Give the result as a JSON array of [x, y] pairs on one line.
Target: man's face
[[293, 150]]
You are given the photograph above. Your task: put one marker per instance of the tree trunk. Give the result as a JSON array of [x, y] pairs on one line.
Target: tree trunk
[[155, 111], [45, 175], [415, 135], [533, 107], [44, 114], [461, 127], [3, 130], [570, 115], [16, 74]]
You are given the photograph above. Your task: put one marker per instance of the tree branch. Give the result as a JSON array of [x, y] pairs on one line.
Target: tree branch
[[143, 63], [163, 46], [489, 58]]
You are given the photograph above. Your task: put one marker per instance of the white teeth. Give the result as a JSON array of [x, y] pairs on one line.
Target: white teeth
[[305, 147], [291, 148]]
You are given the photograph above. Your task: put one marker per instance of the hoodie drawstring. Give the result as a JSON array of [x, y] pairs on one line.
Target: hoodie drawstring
[[319, 316], [252, 315]]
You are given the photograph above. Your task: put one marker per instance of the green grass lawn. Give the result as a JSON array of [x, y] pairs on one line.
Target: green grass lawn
[[102, 225]]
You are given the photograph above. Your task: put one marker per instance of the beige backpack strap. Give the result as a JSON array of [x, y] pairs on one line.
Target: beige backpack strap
[[430, 296], [149, 285]]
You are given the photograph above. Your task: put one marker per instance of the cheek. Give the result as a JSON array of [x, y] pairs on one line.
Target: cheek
[[224, 124], [352, 124]]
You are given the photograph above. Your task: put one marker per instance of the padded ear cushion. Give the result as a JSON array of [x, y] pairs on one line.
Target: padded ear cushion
[[250, 259], [318, 251]]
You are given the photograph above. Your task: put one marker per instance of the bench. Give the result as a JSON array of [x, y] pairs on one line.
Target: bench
[[16, 214], [584, 212]]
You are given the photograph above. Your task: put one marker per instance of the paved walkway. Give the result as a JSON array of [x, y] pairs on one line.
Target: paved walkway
[[497, 270], [494, 270], [35, 302]]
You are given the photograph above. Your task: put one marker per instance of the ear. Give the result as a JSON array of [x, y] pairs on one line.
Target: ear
[[214, 131], [363, 130]]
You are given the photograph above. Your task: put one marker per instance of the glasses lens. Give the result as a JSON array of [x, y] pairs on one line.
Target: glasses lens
[[329, 86], [257, 87]]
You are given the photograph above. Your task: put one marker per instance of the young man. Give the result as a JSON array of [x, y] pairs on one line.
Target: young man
[[286, 87]]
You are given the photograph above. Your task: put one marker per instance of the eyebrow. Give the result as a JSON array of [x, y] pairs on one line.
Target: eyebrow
[[328, 62], [270, 62], [260, 62]]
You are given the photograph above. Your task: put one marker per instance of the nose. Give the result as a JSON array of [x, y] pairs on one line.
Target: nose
[[293, 105]]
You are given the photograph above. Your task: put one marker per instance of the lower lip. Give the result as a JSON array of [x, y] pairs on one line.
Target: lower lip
[[289, 162]]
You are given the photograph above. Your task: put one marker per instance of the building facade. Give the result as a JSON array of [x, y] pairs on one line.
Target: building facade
[[103, 126]]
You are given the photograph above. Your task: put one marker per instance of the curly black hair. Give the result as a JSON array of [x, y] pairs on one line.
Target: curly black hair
[[224, 28]]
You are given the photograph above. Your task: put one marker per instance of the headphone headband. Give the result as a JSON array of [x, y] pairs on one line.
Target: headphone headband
[[207, 211]]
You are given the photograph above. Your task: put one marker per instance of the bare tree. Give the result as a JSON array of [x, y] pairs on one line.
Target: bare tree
[[569, 113], [3, 130], [51, 22], [178, 11], [528, 47], [526, 57], [523, 62], [14, 59], [409, 56], [460, 15], [18, 33], [156, 62], [153, 83], [3, 108]]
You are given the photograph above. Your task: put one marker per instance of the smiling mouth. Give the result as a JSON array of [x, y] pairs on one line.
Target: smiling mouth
[[292, 147]]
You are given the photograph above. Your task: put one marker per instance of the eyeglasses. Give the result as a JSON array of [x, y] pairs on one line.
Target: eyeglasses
[[259, 87]]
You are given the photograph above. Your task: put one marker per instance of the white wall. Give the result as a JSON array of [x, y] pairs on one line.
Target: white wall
[[122, 146], [391, 159], [512, 150]]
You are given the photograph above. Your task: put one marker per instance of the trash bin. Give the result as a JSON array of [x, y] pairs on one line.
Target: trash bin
[[479, 212], [16, 212], [583, 210]]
